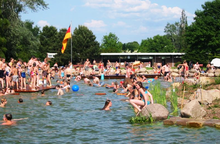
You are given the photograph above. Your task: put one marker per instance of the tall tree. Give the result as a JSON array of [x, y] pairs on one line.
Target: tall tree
[[111, 44], [203, 35], [130, 46], [84, 44], [182, 31], [156, 44], [48, 40]]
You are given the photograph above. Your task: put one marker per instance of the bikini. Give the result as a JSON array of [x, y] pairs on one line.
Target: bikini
[[148, 102]]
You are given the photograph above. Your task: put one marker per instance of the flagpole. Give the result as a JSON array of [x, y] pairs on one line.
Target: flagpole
[[71, 43]]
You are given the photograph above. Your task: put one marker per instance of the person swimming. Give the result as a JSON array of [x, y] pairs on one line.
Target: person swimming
[[3, 102], [8, 119], [107, 105], [20, 100], [42, 93], [48, 103]]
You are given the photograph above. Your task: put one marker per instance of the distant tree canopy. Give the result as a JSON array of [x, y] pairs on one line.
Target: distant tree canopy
[[156, 44], [111, 44], [203, 35]]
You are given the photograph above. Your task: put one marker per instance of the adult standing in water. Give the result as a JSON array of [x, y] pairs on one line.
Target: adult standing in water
[[145, 95], [68, 73]]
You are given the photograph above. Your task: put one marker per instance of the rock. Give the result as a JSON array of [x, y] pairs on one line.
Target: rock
[[191, 74], [207, 96], [181, 100], [175, 70], [157, 111], [203, 74], [217, 125], [174, 74], [192, 71], [176, 85], [211, 71], [206, 80], [211, 74], [189, 81], [143, 70], [193, 109], [150, 71], [196, 124], [217, 74], [123, 72]]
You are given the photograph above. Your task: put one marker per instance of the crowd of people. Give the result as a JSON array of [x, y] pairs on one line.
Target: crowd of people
[[34, 73]]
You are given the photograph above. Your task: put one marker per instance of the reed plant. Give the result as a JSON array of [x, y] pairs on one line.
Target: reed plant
[[159, 94], [173, 100]]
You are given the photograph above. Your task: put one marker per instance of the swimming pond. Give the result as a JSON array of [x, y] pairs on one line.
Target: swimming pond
[[76, 117]]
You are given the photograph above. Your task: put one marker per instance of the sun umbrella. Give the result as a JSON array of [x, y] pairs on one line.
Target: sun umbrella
[[216, 62]]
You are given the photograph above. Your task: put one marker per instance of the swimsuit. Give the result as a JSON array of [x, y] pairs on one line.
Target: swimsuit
[[148, 102], [68, 75], [1, 73], [15, 78], [23, 75], [62, 74]]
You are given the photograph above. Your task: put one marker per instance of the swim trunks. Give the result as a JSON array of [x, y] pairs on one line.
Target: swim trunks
[[1, 73], [68, 75], [15, 78]]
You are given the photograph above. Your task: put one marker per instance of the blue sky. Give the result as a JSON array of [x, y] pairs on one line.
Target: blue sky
[[129, 20]]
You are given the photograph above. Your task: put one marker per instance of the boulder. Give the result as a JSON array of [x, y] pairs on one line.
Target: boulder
[[207, 96], [123, 72], [176, 85], [211, 74], [150, 71], [189, 81], [206, 80], [143, 70], [157, 111], [193, 110], [191, 75], [217, 74], [211, 71], [192, 71], [173, 74], [203, 74], [175, 70]]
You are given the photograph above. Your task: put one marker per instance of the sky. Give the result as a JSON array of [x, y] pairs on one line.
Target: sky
[[129, 20]]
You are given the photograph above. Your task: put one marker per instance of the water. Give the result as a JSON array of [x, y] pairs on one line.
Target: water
[[76, 117]]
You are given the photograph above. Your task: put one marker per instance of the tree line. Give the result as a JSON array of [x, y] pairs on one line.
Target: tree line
[[200, 41]]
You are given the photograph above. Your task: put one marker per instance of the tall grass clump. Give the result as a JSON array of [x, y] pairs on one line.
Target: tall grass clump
[[159, 94], [173, 100], [217, 80]]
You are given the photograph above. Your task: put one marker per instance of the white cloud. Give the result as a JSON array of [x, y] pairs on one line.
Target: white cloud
[[120, 24], [140, 30], [136, 8], [42, 23], [97, 25], [72, 8]]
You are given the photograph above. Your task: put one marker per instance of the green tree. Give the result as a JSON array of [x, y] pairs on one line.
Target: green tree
[[203, 35], [84, 44], [48, 40], [130, 46], [156, 44], [111, 44]]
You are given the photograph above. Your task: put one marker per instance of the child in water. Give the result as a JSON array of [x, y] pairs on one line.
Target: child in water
[[48, 103], [60, 91], [3, 102]]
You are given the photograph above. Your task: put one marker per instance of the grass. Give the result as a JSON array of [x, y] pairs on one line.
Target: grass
[[159, 94], [173, 100], [141, 120]]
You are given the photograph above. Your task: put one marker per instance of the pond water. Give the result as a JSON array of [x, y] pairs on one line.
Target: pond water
[[76, 117]]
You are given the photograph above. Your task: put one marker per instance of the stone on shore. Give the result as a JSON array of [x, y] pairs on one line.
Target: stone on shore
[[157, 111], [193, 109], [207, 96]]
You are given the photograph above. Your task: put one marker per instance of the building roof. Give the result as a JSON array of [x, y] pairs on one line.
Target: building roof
[[150, 54]]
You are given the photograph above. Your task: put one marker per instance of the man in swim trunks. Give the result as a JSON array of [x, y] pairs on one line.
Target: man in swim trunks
[[15, 76], [166, 69], [2, 72], [96, 80], [68, 73]]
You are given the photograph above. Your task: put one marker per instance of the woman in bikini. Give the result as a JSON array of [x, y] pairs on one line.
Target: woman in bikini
[[145, 97]]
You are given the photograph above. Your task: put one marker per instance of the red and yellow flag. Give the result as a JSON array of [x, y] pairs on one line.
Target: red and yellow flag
[[65, 40]]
